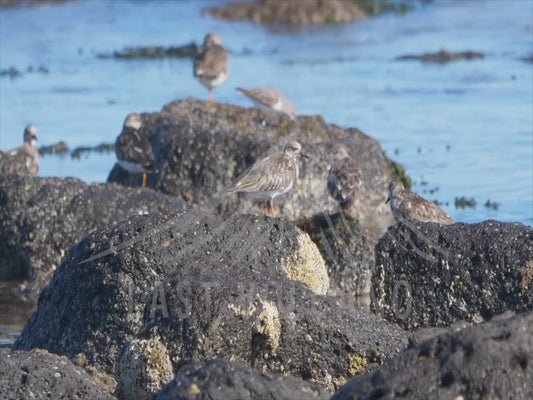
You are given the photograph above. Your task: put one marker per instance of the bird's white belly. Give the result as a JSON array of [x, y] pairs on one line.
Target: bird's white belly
[[210, 82], [270, 194], [132, 168]]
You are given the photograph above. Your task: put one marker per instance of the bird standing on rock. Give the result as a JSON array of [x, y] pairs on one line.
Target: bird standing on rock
[[408, 205], [134, 151], [211, 63], [344, 179], [27, 155], [270, 100], [271, 176]]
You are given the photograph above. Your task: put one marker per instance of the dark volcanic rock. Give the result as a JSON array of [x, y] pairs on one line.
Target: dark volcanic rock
[[428, 275], [206, 286], [220, 379], [443, 56], [42, 218], [202, 147], [493, 360], [290, 12], [348, 254], [40, 375]]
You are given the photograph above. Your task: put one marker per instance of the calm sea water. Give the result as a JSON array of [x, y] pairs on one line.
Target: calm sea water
[[461, 129]]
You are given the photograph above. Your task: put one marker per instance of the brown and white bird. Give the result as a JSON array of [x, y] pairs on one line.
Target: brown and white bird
[[211, 63], [271, 176], [270, 100], [134, 151], [408, 205], [27, 155], [344, 179]]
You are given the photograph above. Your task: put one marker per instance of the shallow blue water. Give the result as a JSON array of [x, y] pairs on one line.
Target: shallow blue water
[[465, 128]]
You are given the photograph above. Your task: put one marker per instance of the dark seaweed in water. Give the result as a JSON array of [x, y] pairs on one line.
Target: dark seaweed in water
[[58, 148], [186, 51], [463, 202], [13, 72], [101, 148], [443, 56]]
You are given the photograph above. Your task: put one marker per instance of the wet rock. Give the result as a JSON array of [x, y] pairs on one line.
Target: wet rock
[[206, 286], [40, 375], [443, 56], [202, 147], [220, 379], [348, 253], [290, 12], [492, 360], [428, 275], [42, 218]]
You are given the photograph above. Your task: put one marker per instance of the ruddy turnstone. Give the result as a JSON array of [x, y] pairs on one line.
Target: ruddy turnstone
[[211, 63], [271, 176], [344, 179], [134, 151], [270, 100], [408, 205], [27, 155]]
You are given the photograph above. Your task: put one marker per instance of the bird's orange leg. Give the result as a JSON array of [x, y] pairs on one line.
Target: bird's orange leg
[[272, 208], [210, 95], [144, 180], [267, 211], [131, 181]]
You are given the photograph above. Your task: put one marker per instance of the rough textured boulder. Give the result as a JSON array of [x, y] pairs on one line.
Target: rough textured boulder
[[40, 375], [348, 253], [202, 147], [42, 218], [493, 360], [428, 275], [220, 379], [206, 286]]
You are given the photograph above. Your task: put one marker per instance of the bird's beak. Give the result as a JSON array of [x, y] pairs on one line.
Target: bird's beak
[[388, 199], [304, 155]]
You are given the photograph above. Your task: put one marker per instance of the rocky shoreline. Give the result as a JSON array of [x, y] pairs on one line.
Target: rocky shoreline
[[181, 290]]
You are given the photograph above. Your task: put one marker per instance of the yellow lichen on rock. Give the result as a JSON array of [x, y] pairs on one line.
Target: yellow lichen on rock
[[268, 325], [357, 364], [307, 265], [144, 368]]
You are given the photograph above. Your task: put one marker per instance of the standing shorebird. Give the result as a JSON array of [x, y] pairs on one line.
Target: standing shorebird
[[408, 205], [134, 151], [27, 155], [271, 176], [344, 179], [211, 63], [270, 100]]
